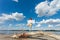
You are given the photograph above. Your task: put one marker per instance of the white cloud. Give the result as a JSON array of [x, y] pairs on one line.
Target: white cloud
[[13, 27], [10, 25], [15, 0], [39, 25], [49, 23], [50, 26], [58, 25], [20, 25], [18, 16], [47, 8], [14, 16]]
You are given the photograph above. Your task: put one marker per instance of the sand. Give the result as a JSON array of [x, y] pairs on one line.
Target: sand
[[46, 36]]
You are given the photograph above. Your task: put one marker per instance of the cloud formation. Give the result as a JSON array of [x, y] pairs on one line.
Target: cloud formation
[[15, 0], [47, 8], [14, 16], [49, 23], [50, 26], [58, 25]]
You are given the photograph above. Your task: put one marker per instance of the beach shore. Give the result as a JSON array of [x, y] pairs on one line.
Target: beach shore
[[46, 36]]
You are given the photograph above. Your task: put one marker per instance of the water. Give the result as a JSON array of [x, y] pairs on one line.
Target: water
[[54, 32], [20, 31], [9, 32]]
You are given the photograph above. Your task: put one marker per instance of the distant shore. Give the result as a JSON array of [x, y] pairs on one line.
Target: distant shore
[[30, 30]]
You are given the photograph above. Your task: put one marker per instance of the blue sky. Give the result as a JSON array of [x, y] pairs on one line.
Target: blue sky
[[14, 14]]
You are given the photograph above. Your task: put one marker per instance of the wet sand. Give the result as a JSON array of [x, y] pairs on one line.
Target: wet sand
[[35, 37]]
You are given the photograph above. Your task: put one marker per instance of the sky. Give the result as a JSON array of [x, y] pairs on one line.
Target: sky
[[14, 14]]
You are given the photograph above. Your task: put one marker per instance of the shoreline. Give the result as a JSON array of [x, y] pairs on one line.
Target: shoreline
[[46, 36]]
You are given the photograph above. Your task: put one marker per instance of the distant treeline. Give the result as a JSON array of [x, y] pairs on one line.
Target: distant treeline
[[52, 30], [31, 30]]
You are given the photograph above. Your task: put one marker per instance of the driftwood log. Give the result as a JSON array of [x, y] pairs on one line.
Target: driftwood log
[[26, 35], [33, 34]]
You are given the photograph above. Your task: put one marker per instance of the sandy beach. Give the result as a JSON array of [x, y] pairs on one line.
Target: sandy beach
[[46, 36]]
